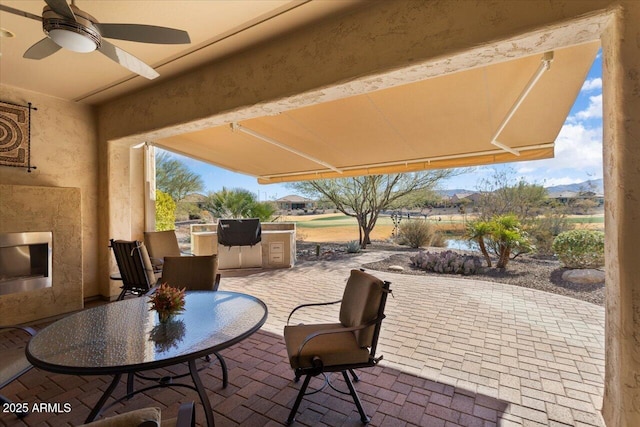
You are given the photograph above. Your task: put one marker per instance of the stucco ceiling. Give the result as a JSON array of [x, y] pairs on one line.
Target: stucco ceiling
[[216, 28]]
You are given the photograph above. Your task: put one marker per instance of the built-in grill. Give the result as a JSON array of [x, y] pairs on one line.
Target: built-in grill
[[239, 232], [239, 243], [25, 261]]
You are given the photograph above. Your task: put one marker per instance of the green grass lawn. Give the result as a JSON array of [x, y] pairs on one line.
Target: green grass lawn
[[587, 220], [344, 220], [337, 221]]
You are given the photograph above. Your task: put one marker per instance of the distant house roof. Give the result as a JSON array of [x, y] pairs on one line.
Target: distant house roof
[[292, 198]]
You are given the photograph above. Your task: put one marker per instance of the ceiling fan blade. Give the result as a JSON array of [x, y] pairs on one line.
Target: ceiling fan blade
[[20, 12], [41, 49], [61, 7], [127, 60], [143, 33]]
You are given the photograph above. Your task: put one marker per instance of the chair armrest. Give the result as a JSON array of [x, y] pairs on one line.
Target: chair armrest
[[186, 415], [26, 329], [310, 305], [337, 331]]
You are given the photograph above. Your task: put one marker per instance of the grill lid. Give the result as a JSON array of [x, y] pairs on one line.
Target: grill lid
[[239, 232]]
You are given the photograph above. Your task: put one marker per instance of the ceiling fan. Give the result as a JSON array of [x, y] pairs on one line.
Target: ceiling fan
[[66, 26]]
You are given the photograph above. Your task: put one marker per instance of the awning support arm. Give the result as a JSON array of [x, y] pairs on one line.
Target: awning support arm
[[547, 58], [239, 127]]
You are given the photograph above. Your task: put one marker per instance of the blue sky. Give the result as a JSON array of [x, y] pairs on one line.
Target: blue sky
[[578, 153]]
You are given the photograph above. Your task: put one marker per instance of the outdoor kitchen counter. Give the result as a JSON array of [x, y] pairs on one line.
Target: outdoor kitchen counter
[[278, 247]]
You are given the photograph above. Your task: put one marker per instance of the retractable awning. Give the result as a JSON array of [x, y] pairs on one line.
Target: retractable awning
[[505, 112]]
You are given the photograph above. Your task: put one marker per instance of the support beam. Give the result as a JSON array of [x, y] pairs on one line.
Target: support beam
[[547, 58], [238, 127]]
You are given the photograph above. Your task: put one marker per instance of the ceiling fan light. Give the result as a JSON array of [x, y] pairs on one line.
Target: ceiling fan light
[[73, 41]]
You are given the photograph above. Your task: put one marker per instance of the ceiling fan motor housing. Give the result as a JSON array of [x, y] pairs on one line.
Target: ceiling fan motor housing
[[83, 26]]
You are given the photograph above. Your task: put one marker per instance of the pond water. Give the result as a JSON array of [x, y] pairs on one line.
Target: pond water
[[461, 245]]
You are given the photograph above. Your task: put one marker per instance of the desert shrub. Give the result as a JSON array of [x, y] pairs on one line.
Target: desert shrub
[[438, 240], [543, 230], [580, 248], [448, 262], [353, 247], [165, 212], [415, 233]]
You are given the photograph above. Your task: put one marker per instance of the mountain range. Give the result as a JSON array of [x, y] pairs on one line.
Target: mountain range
[[595, 185]]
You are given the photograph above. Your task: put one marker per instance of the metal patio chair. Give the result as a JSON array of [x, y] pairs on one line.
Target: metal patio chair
[[14, 364], [136, 271], [340, 347], [195, 273]]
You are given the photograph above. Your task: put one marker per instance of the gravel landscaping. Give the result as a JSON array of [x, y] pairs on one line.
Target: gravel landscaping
[[527, 271]]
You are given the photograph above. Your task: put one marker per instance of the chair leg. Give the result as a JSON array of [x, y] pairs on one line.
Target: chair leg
[[296, 405], [356, 398], [355, 376], [130, 379], [223, 366], [122, 294]]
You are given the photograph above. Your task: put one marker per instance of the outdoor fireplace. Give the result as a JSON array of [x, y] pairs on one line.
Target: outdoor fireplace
[[25, 261]]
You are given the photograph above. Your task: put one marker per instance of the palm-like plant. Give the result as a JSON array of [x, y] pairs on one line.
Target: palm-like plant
[[478, 231], [238, 203]]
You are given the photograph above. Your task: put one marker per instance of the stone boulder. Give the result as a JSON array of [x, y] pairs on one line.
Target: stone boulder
[[584, 276]]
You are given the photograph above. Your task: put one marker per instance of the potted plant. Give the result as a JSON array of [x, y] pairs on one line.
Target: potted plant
[[167, 301]]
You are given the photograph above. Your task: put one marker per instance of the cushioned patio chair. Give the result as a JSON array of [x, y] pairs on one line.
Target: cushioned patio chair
[[340, 347], [195, 273], [14, 364], [149, 417], [136, 271], [161, 244]]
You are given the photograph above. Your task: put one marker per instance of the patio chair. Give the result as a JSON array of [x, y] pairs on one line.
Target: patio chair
[[14, 364], [136, 271], [195, 273], [149, 417], [161, 244], [339, 347]]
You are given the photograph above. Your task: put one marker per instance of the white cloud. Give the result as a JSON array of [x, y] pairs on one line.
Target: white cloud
[[592, 84], [578, 152], [593, 111]]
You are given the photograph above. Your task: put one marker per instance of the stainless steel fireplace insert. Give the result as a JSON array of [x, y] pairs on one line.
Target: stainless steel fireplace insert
[[25, 261]]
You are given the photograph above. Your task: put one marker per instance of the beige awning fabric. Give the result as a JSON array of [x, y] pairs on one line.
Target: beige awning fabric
[[443, 122]]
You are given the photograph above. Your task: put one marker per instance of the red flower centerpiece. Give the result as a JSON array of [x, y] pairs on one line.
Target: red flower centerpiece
[[167, 301]]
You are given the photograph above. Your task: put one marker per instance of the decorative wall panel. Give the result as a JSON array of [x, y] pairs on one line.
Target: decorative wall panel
[[15, 135]]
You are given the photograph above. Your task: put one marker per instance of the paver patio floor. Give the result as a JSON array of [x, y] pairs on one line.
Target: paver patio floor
[[456, 352]]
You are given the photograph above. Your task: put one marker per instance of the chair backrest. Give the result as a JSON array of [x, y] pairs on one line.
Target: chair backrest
[[196, 273], [363, 301], [134, 265], [161, 244]]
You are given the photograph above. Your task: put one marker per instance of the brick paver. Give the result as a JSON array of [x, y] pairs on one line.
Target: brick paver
[[456, 352]]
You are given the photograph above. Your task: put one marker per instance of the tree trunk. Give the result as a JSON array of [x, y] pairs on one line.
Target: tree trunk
[[503, 260], [483, 249]]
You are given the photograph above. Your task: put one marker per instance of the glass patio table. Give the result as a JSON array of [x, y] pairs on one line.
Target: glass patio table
[[124, 337]]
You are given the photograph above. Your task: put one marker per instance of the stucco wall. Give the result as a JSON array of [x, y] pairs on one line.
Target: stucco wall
[[64, 147], [29, 208]]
